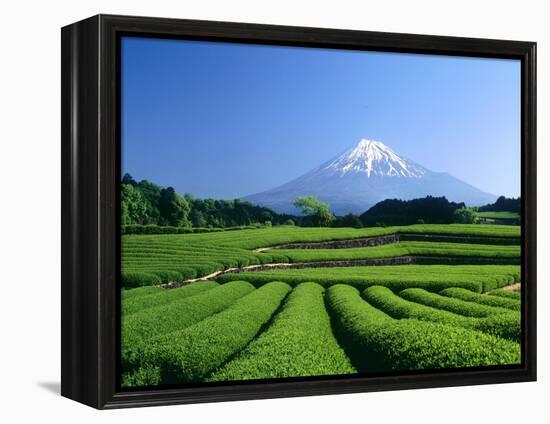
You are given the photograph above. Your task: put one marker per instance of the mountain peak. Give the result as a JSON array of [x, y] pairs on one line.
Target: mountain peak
[[374, 158]]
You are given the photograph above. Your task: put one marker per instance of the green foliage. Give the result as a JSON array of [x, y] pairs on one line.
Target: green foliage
[[508, 294], [129, 294], [458, 293], [433, 278], [141, 326], [133, 206], [376, 342], [457, 306], [503, 203], [132, 279], [317, 211], [406, 248], [163, 296], [433, 210], [309, 205], [192, 354], [465, 216], [299, 342], [505, 324], [350, 220], [174, 209]]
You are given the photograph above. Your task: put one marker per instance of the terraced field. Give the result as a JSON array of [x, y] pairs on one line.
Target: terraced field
[[299, 302]]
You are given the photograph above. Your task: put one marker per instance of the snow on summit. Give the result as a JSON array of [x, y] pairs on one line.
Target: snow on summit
[[374, 158]]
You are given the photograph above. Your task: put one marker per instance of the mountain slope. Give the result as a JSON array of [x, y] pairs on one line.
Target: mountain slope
[[364, 175]]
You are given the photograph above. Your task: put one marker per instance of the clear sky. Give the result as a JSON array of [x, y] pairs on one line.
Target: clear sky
[[226, 120]]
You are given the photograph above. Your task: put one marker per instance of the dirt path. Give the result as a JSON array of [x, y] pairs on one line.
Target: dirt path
[[516, 286]]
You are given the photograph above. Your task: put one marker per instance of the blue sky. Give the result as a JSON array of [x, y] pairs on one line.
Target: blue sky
[[226, 120]]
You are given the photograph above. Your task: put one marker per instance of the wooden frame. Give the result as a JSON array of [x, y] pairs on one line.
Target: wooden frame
[[90, 211]]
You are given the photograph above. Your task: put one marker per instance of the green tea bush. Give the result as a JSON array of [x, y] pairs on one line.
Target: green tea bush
[[457, 306], [139, 279], [406, 248], [164, 296], [433, 278], [483, 299], [141, 326], [192, 354], [379, 343], [397, 307], [299, 342], [130, 294], [507, 294], [169, 276]]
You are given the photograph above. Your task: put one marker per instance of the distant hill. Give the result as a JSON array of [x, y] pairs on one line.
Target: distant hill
[[365, 175]]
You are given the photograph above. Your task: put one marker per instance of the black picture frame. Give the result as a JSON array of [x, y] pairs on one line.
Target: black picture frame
[[90, 206]]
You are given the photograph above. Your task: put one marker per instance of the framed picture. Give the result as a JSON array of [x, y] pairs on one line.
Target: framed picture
[[256, 211]]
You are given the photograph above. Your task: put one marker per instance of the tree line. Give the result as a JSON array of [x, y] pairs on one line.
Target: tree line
[[146, 203]]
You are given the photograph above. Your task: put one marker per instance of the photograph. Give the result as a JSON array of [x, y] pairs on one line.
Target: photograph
[[292, 213]]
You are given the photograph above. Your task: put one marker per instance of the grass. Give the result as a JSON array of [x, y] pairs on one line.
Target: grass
[[376, 342], [477, 278], [300, 342], [192, 354]]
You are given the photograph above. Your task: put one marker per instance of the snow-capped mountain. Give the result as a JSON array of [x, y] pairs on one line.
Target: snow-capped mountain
[[365, 175], [374, 158]]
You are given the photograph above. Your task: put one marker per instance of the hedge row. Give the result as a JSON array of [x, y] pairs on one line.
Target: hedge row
[[433, 278], [397, 307], [166, 229], [133, 279], [164, 296], [141, 326], [406, 248], [507, 294], [482, 299], [457, 306], [300, 342], [128, 294], [192, 354], [378, 343]]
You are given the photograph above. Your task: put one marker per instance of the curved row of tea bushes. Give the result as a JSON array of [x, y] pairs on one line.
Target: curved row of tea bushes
[[507, 294], [134, 279], [128, 294], [506, 324], [138, 303], [376, 342], [406, 248], [482, 299], [299, 342], [156, 259], [192, 354], [434, 278], [457, 306], [141, 326]]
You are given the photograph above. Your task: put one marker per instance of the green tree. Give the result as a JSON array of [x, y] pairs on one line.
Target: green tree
[[318, 211], [133, 206], [465, 216], [173, 208]]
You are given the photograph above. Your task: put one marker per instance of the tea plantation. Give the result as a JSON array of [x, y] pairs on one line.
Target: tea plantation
[[297, 302]]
